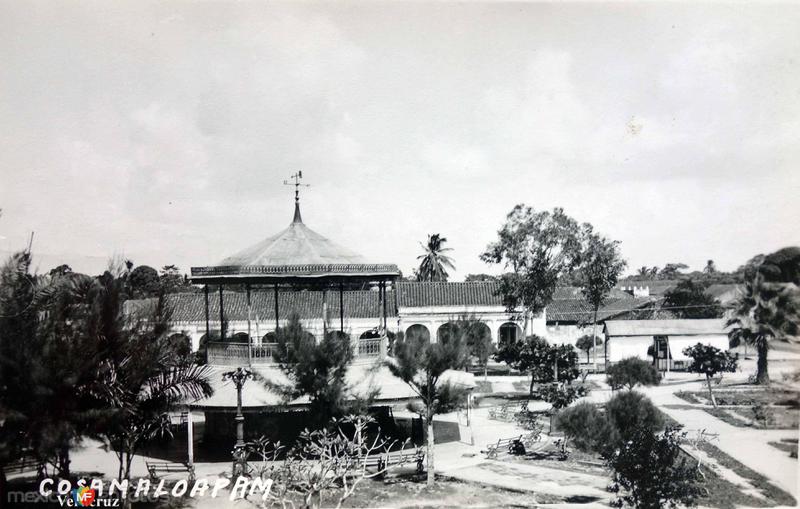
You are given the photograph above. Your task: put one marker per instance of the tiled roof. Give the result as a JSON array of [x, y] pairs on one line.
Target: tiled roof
[[425, 294], [578, 310], [665, 327], [190, 307]]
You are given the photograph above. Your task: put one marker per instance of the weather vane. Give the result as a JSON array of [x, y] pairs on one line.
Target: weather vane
[[296, 177]]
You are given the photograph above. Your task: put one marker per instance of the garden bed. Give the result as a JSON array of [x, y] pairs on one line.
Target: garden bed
[[787, 445]]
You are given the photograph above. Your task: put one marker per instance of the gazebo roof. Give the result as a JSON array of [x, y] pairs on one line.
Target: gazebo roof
[[297, 252]]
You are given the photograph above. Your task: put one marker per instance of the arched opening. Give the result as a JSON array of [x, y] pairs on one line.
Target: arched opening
[[509, 333], [370, 334], [445, 332], [269, 337], [239, 337], [418, 331]]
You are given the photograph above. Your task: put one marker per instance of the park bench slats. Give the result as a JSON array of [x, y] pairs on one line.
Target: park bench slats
[[381, 462], [503, 444], [156, 467]]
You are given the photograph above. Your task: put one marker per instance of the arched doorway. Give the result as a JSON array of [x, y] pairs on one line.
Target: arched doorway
[[240, 337], [418, 331], [445, 332], [509, 333]]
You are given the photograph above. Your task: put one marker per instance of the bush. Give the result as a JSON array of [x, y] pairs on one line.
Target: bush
[[631, 372], [587, 427], [628, 411], [650, 472]]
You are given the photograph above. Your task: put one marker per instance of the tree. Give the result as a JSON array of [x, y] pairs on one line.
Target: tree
[[710, 268], [316, 370], [690, 300], [528, 356], [560, 396], [171, 280], [631, 372], [672, 270], [600, 271], [434, 262], [140, 379], [769, 307], [708, 361], [651, 473], [479, 277], [422, 365], [540, 248], [142, 282], [476, 335], [587, 342]]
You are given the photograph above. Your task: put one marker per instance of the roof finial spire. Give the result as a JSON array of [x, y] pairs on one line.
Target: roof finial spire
[[296, 177]]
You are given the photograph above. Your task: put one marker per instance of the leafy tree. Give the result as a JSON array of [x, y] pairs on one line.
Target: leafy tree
[[708, 361], [628, 411], [710, 268], [422, 366], [61, 270], [587, 342], [631, 372], [476, 335], [672, 270], [316, 370], [434, 262], [142, 282], [651, 473], [560, 396], [480, 277], [528, 356], [563, 359], [540, 248], [690, 300], [769, 308], [171, 280], [600, 270]]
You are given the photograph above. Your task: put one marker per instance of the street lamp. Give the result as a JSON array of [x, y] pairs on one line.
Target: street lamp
[[239, 377]]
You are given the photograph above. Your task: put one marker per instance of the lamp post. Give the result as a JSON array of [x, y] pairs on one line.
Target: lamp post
[[239, 377]]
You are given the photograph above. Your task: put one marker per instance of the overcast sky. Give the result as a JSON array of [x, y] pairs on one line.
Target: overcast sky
[[163, 131]]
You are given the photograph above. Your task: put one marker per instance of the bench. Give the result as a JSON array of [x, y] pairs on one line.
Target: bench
[[382, 462], [156, 467], [505, 444], [21, 465]]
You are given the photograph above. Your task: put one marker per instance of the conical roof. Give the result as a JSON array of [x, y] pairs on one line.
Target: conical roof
[[296, 245], [295, 252]]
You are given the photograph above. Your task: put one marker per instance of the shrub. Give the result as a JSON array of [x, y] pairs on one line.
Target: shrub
[[651, 473], [628, 411], [587, 427], [631, 372]]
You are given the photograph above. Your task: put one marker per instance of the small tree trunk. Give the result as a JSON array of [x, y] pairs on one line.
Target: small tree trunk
[[485, 372], [710, 392], [762, 375], [429, 442], [594, 340], [63, 462], [530, 389]]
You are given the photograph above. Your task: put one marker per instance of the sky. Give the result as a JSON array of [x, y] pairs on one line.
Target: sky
[[163, 131]]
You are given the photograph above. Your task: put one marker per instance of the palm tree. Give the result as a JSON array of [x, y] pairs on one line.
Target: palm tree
[[433, 264], [768, 309]]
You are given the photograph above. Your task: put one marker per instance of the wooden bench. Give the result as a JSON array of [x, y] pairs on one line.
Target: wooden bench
[[156, 467], [21, 465], [505, 444], [382, 462]]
